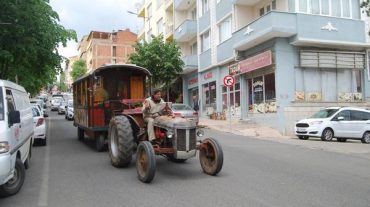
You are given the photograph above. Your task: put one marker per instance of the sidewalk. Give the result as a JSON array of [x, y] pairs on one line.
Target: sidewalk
[[241, 128], [257, 131]]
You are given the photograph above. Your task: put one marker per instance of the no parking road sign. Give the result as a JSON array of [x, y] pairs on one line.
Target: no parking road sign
[[229, 80]]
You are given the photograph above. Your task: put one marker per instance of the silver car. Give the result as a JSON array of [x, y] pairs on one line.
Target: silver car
[[185, 111]]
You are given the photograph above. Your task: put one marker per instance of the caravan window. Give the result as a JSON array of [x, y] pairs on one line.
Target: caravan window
[[1, 104]]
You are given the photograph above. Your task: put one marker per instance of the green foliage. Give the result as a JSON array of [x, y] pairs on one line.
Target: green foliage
[[78, 69], [29, 42], [365, 4], [162, 59], [62, 82]]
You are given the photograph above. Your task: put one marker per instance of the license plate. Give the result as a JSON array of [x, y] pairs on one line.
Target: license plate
[[301, 130]]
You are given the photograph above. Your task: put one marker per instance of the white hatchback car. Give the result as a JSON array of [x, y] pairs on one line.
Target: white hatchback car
[[40, 125], [340, 122]]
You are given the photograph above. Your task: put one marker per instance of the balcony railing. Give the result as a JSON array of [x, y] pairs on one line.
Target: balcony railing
[[186, 31]]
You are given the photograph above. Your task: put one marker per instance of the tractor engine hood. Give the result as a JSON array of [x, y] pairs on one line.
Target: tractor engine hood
[[177, 123]]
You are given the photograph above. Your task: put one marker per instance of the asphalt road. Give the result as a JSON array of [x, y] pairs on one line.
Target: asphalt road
[[255, 173]]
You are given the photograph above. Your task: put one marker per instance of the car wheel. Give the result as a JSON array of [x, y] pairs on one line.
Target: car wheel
[[341, 139], [327, 135], [366, 138], [14, 184], [303, 137]]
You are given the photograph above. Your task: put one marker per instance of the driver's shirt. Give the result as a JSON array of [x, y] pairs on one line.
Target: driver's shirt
[[154, 108]]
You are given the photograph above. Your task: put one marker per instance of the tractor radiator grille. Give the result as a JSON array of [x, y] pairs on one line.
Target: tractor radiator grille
[[181, 139]]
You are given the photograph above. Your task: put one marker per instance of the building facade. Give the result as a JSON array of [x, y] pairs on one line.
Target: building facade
[[68, 70], [100, 48], [289, 58]]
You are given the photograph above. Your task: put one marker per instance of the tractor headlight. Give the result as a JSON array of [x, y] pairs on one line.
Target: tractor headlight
[[169, 134], [200, 133], [4, 147]]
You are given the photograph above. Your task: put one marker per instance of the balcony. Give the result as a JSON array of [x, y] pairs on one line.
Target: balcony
[[141, 34], [186, 31], [190, 63], [169, 5], [141, 9], [183, 5], [225, 51], [245, 2], [304, 30], [327, 31], [271, 25], [205, 60], [169, 32]]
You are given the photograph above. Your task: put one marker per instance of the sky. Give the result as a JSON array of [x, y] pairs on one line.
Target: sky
[[84, 16]]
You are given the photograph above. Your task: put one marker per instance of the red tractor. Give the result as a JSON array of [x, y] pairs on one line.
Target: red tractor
[[118, 120]]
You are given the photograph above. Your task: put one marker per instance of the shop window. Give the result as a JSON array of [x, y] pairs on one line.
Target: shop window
[[328, 85], [262, 94], [209, 97]]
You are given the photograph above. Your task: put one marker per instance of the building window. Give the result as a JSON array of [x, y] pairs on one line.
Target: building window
[[149, 9], [114, 60], [205, 6], [262, 11], [194, 14], [328, 85], [224, 29], [114, 51], [205, 41], [268, 7], [336, 8], [194, 48], [159, 3], [262, 94], [149, 34], [160, 26], [209, 97]]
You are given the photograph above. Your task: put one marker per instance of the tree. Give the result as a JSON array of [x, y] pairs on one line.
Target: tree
[[365, 4], [162, 59], [62, 82], [78, 69], [29, 42]]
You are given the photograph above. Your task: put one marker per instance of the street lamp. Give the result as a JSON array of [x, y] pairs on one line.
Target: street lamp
[[131, 12]]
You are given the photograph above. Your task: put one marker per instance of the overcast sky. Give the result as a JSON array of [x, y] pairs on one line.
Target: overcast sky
[[84, 16]]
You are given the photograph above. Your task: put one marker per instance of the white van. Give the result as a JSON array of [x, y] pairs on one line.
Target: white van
[[16, 136]]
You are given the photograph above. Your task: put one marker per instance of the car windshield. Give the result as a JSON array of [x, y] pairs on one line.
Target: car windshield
[[181, 107], [70, 104], [326, 113]]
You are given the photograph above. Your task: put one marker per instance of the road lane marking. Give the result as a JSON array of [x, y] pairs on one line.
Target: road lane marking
[[43, 194]]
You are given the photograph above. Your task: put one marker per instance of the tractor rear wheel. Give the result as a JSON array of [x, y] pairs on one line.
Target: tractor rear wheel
[[145, 162], [120, 141], [211, 156]]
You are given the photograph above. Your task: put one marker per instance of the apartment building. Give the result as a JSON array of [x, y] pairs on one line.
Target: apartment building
[[289, 57], [100, 48], [68, 69], [157, 16]]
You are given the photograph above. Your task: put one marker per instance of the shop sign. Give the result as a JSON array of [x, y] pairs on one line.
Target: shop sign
[[258, 86], [208, 75], [234, 69], [258, 61], [193, 81]]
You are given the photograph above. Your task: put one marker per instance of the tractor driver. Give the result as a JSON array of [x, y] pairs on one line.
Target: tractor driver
[[151, 109]]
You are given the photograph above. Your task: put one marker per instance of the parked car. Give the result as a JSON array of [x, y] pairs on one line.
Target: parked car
[[40, 126], [62, 107], [340, 122], [16, 136], [69, 115], [55, 102], [185, 111], [39, 102]]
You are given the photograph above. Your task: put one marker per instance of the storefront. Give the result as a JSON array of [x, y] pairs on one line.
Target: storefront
[[193, 92], [258, 72], [209, 91]]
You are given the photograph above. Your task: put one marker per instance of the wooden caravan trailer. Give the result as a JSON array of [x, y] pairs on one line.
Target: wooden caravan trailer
[[105, 92]]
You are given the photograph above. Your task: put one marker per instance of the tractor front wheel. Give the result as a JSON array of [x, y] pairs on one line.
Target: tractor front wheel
[[145, 162], [211, 156]]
